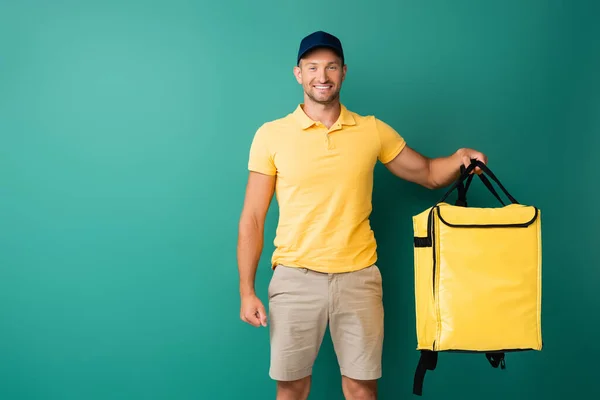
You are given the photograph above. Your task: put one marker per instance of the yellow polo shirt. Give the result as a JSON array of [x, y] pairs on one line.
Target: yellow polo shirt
[[324, 186]]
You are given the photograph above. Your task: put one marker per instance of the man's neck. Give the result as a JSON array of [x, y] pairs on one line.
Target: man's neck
[[327, 114]]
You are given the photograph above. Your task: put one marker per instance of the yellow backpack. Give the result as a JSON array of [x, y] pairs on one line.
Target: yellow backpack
[[477, 277]]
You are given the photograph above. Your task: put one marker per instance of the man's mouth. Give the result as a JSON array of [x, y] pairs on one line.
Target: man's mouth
[[323, 87]]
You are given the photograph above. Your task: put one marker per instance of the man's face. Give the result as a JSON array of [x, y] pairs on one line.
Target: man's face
[[321, 74]]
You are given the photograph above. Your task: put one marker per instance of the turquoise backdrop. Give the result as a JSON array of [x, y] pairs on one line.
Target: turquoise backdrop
[[125, 128]]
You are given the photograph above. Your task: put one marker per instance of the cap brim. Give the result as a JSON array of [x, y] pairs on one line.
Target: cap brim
[[320, 46]]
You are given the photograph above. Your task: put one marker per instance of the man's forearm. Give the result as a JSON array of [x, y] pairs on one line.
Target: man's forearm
[[250, 244], [444, 170]]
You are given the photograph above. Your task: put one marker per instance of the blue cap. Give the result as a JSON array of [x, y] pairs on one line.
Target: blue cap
[[320, 39]]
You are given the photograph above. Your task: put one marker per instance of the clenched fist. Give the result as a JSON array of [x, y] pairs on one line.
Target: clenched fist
[[252, 311], [466, 155]]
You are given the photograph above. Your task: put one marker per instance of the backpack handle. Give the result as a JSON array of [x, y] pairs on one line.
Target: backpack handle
[[462, 190], [466, 174]]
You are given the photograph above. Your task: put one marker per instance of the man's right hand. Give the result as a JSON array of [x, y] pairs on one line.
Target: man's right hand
[[252, 311]]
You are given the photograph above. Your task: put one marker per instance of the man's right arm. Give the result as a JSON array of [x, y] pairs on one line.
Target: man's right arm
[[259, 193]]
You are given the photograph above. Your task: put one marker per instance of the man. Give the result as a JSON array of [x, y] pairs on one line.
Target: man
[[320, 161]]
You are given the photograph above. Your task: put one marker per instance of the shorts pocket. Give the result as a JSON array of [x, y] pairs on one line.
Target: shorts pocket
[[273, 282]]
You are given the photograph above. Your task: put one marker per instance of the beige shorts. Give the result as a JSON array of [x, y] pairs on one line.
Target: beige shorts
[[301, 305]]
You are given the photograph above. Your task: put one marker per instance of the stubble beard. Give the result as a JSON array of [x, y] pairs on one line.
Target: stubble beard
[[335, 96]]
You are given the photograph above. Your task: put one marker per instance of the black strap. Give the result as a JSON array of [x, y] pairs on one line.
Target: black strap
[[462, 189], [488, 172], [488, 184], [427, 361], [466, 173], [496, 359]]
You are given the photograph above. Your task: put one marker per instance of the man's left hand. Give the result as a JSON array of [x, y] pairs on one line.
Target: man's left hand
[[466, 155]]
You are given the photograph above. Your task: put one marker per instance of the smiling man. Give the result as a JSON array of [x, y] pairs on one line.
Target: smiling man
[[319, 160]]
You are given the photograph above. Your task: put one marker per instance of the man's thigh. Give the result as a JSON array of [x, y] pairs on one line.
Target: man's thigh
[[298, 301], [357, 323]]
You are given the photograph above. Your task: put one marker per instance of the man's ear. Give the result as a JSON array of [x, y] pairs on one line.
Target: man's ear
[[298, 74], [344, 70]]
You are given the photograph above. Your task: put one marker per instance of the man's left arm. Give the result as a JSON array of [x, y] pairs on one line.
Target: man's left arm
[[432, 173]]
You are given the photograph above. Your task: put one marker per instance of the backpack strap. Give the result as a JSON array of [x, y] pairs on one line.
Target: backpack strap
[[463, 188], [464, 175], [496, 359], [427, 361]]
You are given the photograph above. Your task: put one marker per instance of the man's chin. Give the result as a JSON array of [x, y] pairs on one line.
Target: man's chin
[[323, 99]]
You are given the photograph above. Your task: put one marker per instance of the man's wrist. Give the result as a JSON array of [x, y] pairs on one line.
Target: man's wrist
[[460, 153], [247, 290]]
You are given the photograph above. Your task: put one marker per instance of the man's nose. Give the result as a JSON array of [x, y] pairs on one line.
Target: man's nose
[[323, 76]]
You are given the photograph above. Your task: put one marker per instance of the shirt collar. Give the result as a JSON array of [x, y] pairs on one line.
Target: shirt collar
[[306, 122]]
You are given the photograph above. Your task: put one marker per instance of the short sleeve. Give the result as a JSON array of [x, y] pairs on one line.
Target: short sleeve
[[391, 142], [260, 158]]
